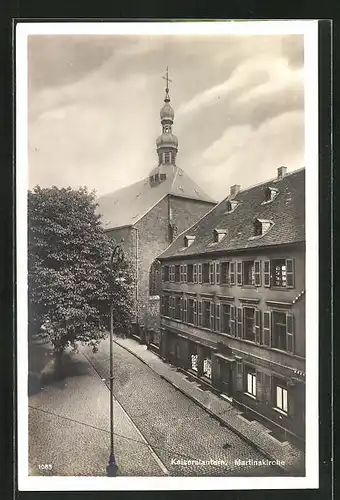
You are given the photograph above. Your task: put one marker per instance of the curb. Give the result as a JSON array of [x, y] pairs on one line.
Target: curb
[[211, 413]]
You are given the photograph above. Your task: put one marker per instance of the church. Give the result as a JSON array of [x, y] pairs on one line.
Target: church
[[147, 216]]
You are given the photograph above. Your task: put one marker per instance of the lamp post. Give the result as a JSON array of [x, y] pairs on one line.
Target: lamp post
[[112, 467]]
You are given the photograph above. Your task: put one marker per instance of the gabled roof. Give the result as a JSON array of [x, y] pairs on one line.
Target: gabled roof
[[129, 204], [286, 212]]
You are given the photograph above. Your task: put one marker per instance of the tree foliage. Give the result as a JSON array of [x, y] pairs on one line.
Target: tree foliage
[[70, 280]]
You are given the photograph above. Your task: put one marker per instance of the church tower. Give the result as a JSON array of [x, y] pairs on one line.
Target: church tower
[[167, 142]]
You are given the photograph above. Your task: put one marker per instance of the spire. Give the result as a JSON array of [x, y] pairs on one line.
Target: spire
[[166, 77], [167, 143]]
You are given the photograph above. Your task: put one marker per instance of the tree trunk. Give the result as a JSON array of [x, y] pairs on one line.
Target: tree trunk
[[58, 365]]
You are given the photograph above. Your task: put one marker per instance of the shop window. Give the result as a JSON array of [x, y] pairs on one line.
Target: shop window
[[248, 272], [206, 313], [205, 273], [190, 273], [250, 381], [207, 367], [224, 275], [155, 283]]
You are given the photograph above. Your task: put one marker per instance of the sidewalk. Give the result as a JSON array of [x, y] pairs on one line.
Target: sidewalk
[[69, 424], [253, 432]]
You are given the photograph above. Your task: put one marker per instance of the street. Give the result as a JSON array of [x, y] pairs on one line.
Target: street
[[175, 427], [158, 430]]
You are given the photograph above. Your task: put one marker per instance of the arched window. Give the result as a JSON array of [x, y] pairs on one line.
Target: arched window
[[155, 278]]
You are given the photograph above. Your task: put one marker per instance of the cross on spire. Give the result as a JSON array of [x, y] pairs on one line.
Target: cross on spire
[[166, 77]]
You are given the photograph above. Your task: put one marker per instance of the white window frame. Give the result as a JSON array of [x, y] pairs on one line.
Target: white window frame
[[281, 398], [251, 384]]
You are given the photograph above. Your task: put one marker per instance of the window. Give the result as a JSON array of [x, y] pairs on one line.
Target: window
[[270, 193], [199, 317], [177, 308], [257, 273], [212, 272], [250, 381], [239, 273], [219, 234], [218, 317], [226, 327], [165, 305], [155, 282], [239, 323], [281, 398], [184, 309], [217, 273], [225, 273], [249, 323], [177, 274], [206, 313], [188, 240], [261, 226], [207, 366], [205, 273], [185, 273], [231, 205], [167, 157], [279, 273], [194, 273], [165, 273], [190, 318], [282, 331], [248, 272], [199, 272], [162, 177], [171, 273]]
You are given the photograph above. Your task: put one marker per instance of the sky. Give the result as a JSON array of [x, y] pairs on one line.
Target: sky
[[94, 102]]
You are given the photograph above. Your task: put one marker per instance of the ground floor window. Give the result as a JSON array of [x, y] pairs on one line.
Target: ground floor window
[[194, 358], [207, 367], [281, 398], [250, 381]]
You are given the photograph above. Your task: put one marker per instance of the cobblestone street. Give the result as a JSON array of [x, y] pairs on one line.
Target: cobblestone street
[[175, 427]]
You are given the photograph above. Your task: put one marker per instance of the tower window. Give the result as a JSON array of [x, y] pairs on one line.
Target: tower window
[[167, 157]]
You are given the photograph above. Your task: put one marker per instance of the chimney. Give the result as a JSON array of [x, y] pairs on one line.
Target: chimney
[[281, 172], [234, 190]]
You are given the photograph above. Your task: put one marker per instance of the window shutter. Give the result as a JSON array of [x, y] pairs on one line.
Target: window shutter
[[181, 273], [194, 273], [257, 326], [185, 309], [218, 317], [199, 313], [181, 315], [185, 271], [199, 273], [211, 272], [232, 320], [212, 316], [162, 305], [239, 376], [290, 273], [239, 322], [290, 332], [257, 273], [263, 382], [266, 272], [267, 328], [195, 312], [232, 273], [239, 273], [217, 272]]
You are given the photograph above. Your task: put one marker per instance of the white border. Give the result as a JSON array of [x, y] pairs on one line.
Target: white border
[[310, 31]]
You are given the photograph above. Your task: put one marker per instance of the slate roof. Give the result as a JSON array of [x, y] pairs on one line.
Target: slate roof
[[286, 211], [129, 204]]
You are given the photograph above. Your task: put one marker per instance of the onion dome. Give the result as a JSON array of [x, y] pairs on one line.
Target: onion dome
[[167, 113], [167, 139]]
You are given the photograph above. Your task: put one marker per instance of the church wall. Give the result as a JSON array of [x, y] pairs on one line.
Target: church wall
[[184, 212]]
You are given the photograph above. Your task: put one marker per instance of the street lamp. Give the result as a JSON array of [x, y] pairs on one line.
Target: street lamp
[[112, 467]]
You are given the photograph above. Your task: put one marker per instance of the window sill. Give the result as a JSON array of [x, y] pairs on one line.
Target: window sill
[[281, 412], [250, 395]]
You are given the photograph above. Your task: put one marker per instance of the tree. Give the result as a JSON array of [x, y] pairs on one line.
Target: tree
[[70, 281]]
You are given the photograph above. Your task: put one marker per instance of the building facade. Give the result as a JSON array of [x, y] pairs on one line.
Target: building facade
[[233, 302], [146, 216]]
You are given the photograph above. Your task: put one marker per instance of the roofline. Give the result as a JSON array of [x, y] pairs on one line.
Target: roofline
[[224, 251], [193, 199], [269, 180], [117, 227]]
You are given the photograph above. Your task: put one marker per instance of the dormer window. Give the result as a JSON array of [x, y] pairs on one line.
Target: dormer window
[[219, 234], [188, 240], [231, 205], [262, 226], [270, 194]]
